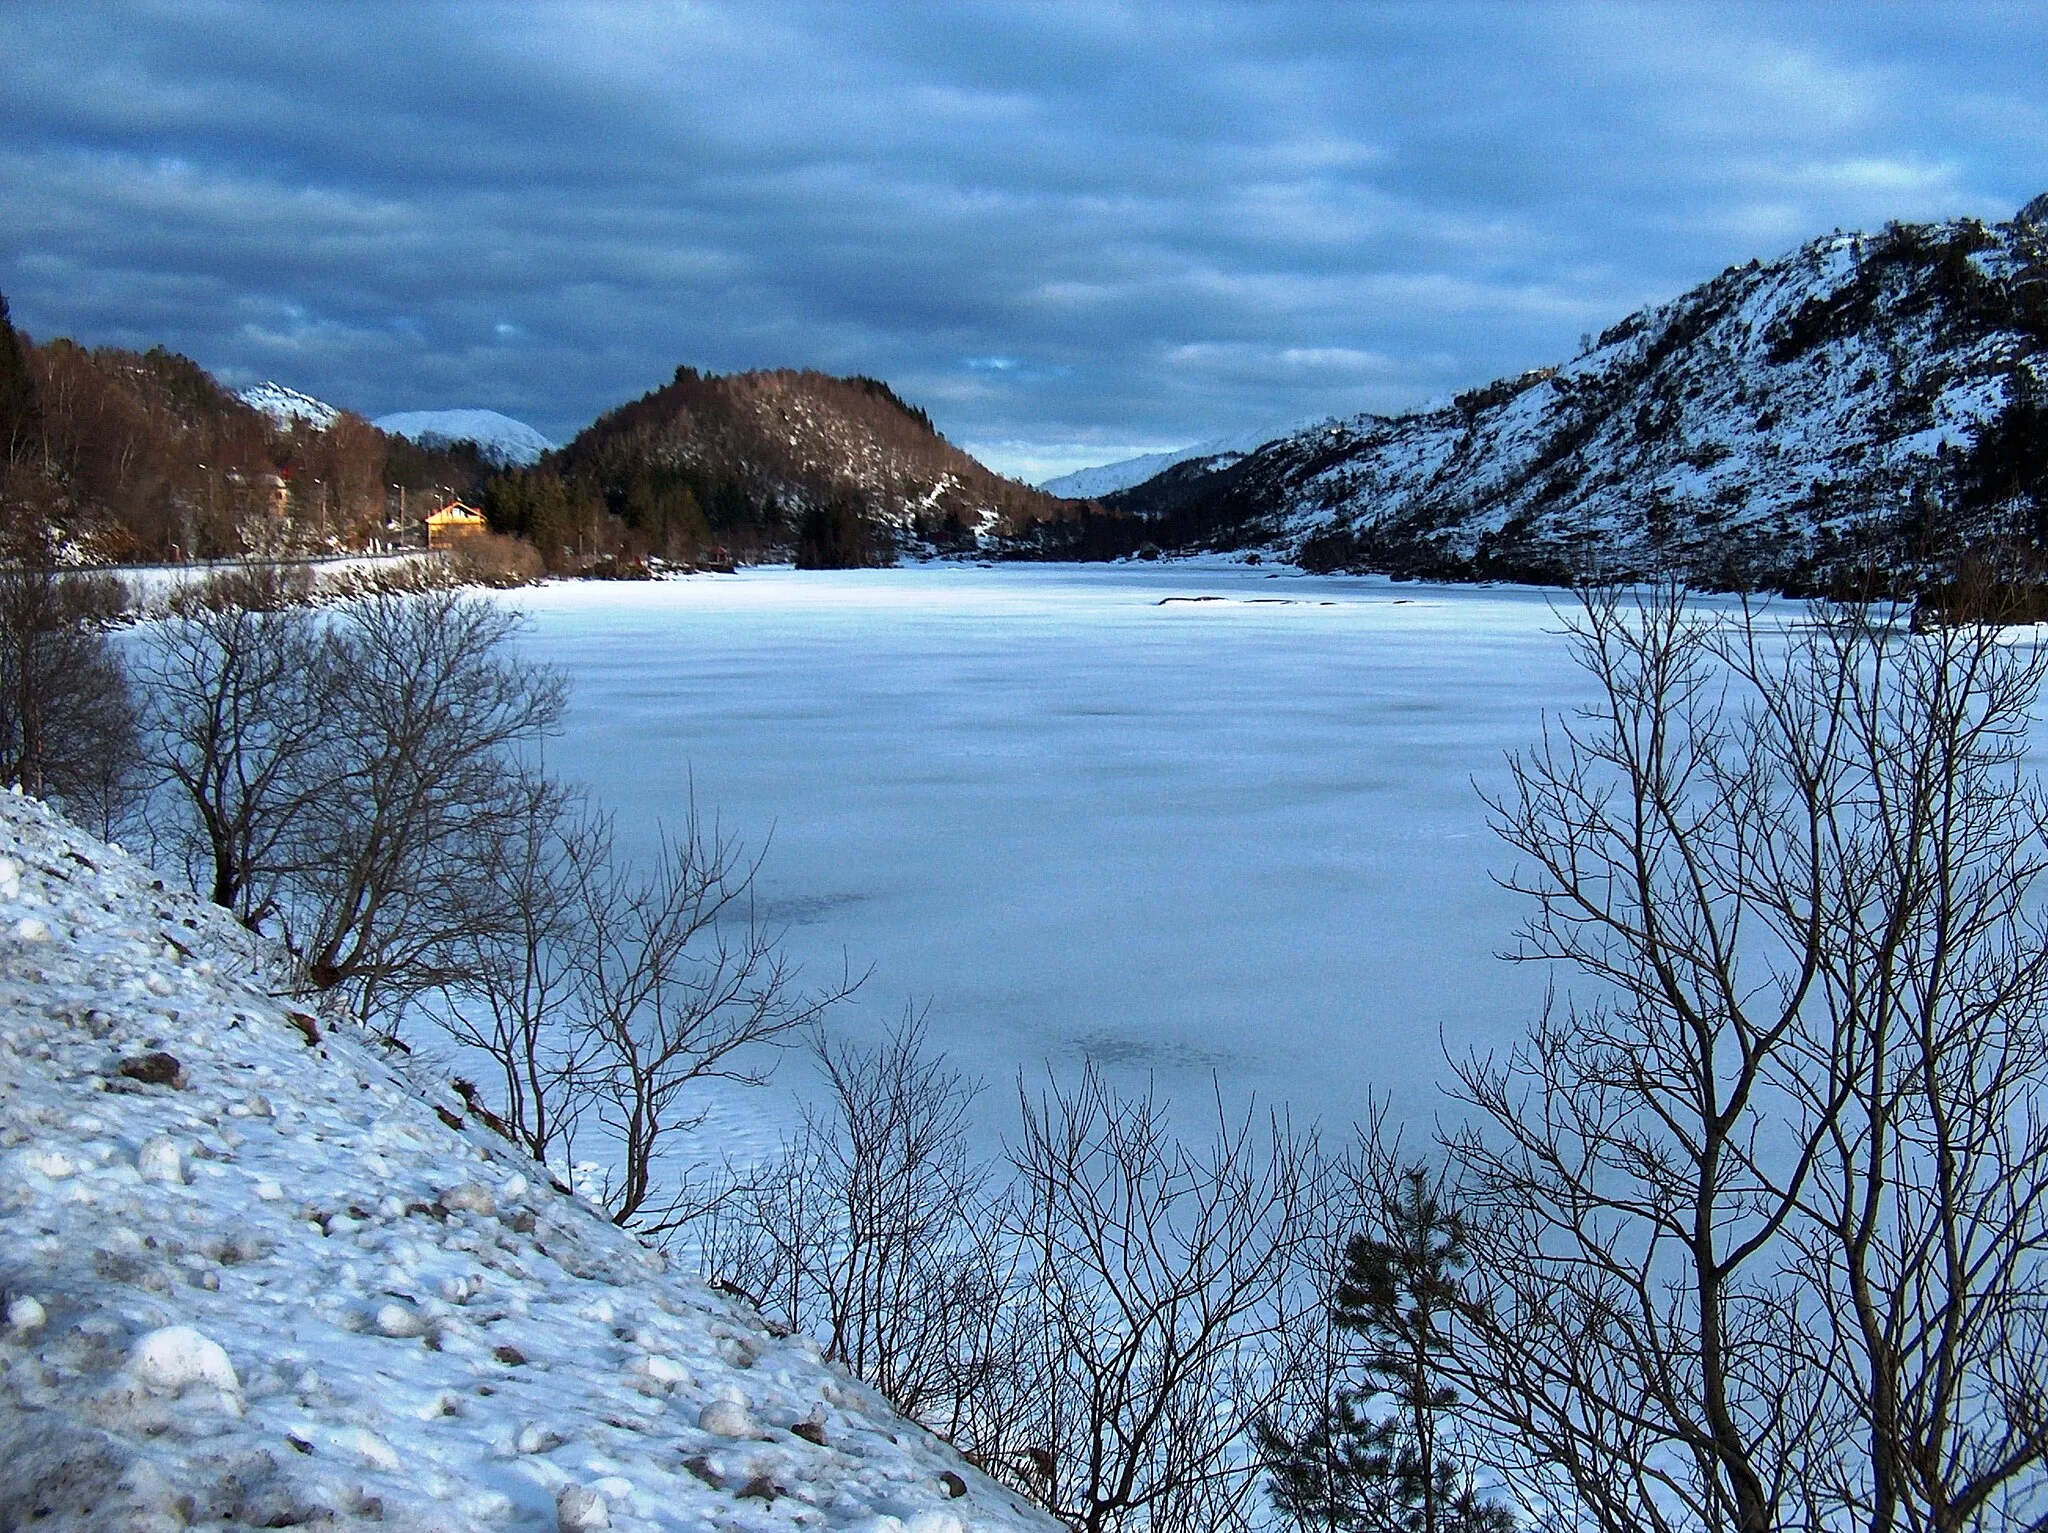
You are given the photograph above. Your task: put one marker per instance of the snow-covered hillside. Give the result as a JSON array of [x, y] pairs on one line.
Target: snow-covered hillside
[[285, 406], [250, 1277], [506, 442], [1108, 478], [1867, 397]]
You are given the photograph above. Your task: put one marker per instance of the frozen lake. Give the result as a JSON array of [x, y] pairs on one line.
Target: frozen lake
[[1185, 821]]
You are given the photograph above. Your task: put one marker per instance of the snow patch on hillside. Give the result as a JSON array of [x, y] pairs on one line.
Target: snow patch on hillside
[[285, 407], [249, 1276], [506, 442]]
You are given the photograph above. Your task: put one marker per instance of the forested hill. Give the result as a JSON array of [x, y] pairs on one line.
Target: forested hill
[[1869, 402], [840, 466]]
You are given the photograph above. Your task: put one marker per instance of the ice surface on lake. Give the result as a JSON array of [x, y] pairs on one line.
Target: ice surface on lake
[[1182, 820]]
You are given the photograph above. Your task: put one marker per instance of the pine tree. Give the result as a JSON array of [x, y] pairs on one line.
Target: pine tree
[[1338, 1475], [17, 391], [1354, 1471]]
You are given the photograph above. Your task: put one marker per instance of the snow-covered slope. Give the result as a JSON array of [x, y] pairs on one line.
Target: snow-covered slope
[[1108, 478], [505, 441], [1864, 399], [284, 406], [249, 1277]]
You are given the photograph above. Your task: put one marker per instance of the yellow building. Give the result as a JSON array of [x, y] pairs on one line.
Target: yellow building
[[452, 523]]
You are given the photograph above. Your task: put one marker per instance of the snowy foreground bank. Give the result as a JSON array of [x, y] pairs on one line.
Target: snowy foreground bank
[[250, 1279]]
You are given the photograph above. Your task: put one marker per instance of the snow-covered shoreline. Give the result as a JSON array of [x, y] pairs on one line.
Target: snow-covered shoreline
[[149, 586], [250, 1278]]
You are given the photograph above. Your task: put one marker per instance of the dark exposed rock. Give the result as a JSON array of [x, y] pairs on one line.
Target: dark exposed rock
[[156, 1069]]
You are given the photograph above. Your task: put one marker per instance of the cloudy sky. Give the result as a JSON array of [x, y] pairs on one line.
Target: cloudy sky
[[1073, 232]]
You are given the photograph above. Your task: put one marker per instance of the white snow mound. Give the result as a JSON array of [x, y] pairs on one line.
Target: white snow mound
[[504, 441], [174, 1357], [264, 1283]]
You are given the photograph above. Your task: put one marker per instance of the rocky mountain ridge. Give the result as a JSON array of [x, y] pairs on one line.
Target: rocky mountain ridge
[[1867, 403], [1108, 478]]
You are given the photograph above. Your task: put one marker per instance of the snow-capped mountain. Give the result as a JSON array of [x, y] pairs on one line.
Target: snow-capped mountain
[[285, 406], [1867, 400], [252, 1273], [1108, 478], [506, 442]]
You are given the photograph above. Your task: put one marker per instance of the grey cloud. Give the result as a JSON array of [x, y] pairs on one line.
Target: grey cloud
[[1171, 221]]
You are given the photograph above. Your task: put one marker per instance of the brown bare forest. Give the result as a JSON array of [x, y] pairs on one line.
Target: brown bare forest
[[117, 455]]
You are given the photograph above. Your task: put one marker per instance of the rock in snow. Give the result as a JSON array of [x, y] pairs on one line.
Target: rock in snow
[[160, 1160], [336, 1311], [726, 1418], [580, 1509]]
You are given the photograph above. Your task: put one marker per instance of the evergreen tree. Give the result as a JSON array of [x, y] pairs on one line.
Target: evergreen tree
[[1338, 1475], [1352, 1470], [836, 536], [556, 515], [17, 391]]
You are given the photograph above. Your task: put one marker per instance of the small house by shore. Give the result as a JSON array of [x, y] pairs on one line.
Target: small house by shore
[[453, 523]]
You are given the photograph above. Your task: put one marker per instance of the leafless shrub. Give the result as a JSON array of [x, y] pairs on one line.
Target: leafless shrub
[[493, 559], [1157, 1302], [1102, 1328], [516, 1000], [1763, 1217], [412, 575], [678, 983], [608, 995], [880, 1234], [262, 586]]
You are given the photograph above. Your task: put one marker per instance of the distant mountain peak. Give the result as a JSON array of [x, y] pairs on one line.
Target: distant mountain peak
[[1108, 478], [506, 442], [287, 407]]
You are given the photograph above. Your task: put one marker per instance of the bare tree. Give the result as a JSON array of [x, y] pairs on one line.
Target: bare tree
[[1924, 1224], [425, 715], [1761, 1223], [351, 772], [1158, 1286], [235, 717], [516, 997]]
